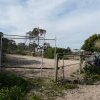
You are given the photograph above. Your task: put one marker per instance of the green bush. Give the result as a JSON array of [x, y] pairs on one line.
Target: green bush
[[47, 88], [34, 97], [91, 74], [14, 93], [9, 79], [13, 87], [49, 53], [92, 69]]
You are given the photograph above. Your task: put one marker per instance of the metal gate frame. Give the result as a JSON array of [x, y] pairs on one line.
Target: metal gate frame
[[1, 35]]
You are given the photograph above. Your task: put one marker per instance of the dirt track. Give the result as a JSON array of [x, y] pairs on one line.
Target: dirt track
[[84, 92], [28, 66]]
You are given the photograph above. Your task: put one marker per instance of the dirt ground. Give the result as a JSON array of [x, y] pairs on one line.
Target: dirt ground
[[28, 66], [85, 92]]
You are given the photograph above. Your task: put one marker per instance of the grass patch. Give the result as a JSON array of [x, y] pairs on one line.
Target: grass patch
[[48, 89], [13, 87]]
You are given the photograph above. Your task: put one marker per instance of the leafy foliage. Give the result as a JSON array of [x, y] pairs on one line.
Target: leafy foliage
[[92, 69], [91, 74], [49, 52], [12, 87], [13, 93], [48, 89], [91, 43]]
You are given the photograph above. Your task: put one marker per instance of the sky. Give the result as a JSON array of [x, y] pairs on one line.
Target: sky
[[70, 21]]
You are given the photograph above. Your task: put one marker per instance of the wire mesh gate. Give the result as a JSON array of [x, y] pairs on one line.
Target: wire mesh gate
[[30, 66], [66, 65]]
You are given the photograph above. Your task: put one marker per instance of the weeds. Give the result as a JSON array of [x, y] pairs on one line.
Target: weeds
[[91, 74], [13, 87], [47, 88]]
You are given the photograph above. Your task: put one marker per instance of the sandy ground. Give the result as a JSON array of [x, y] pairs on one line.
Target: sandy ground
[[85, 92], [28, 66], [23, 65]]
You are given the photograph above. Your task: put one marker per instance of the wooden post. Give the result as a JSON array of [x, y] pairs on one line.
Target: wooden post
[[56, 68], [81, 62], [63, 68]]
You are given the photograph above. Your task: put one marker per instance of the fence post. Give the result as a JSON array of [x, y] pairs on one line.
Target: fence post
[[56, 68], [63, 68], [81, 62]]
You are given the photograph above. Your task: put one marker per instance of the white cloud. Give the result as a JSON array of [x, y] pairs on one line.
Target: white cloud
[[71, 21]]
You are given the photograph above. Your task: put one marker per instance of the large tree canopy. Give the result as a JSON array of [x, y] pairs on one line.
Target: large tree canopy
[[92, 43], [36, 32]]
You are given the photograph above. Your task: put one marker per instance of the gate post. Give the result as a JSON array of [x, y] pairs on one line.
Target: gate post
[[56, 68], [63, 69], [1, 34], [81, 63]]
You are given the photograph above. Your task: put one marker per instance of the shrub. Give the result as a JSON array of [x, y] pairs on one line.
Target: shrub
[[92, 69], [14, 93], [13, 87], [49, 53], [91, 74], [9, 79]]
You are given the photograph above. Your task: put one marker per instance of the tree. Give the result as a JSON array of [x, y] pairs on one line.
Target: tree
[[68, 50], [32, 47], [49, 53], [9, 46], [36, 33], [90, 44], [21, 46], [46, 45]]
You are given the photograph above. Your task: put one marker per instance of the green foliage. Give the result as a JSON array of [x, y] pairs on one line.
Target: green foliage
[[14, 93], [90, 43], [91, 74], [9, 46], [34, 97], [9, 79], [13, 87], [92, 69], [36, 32], [47, 88], [49, 53]]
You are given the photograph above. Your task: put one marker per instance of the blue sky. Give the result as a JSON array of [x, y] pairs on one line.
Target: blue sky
[[71, 21]]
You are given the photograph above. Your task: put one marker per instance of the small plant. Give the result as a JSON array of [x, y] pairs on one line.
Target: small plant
[[91, 74], [92, 69], [14, 93], [34, 97], [49, 89], [13, 87]]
